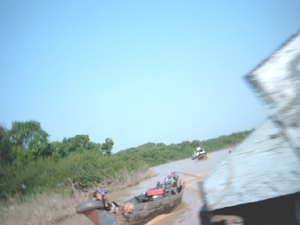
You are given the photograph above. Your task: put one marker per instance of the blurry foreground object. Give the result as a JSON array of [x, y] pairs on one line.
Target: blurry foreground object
[[258, 183], [277, 83]]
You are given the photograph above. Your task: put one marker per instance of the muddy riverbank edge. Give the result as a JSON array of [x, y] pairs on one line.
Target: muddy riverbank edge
[[56, 208]]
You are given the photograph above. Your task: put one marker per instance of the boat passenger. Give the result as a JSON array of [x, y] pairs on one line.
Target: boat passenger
[[179, 184], [170, 177], [112, 206], [100, 195], [168, 183], [126, 208], [196, 153]]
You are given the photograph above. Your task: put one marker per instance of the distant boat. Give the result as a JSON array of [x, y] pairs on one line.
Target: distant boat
[[199, 153]]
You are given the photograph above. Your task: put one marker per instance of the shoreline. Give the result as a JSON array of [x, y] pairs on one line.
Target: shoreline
[[57, 208]]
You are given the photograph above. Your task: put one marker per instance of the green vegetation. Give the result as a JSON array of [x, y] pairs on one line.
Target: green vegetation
[[31, 164], [156, 154]]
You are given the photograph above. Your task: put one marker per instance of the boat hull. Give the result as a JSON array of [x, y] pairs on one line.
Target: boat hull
[[143, 212], [202, 156]]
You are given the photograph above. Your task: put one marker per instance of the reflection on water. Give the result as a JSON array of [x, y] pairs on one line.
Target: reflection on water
[[188, 211]]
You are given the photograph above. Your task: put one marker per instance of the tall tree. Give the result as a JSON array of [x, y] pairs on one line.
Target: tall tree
[[30, 136], [6, 155], [107, 146]]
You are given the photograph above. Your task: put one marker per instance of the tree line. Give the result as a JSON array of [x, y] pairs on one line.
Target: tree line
[[30, 163]]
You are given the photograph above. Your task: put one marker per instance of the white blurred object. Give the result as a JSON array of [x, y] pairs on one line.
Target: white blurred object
[[277, 82]]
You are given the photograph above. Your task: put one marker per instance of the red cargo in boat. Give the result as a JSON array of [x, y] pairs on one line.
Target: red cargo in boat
[[156, 192]]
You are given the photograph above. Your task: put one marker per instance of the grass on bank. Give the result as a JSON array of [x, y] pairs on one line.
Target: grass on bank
[[51, 208]]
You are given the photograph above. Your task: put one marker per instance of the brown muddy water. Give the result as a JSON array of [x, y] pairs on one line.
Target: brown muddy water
[[188, 211]]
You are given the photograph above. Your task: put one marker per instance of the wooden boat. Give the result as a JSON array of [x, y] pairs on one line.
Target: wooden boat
[[199, 153], [144, 210]]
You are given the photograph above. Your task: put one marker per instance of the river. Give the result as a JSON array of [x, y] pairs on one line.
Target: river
[[188, 211]]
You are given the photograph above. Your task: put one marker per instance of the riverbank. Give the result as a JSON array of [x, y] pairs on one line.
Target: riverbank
[[59, 209], [190, 171], [54, 208]]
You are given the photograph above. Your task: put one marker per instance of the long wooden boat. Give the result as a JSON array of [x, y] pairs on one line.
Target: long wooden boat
[[143, 211]]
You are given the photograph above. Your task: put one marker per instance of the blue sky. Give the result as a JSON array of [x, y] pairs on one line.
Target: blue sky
[[137, 71]]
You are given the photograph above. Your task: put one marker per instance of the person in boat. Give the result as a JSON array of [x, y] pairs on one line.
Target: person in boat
[[168, 183], [169, 177], [126, 208], [100, 195], [112, 206], [178, 184]]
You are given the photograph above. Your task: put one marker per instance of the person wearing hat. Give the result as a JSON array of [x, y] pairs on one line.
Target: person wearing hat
[[168, 182], [99, 195], [111, 206], [170, 177]]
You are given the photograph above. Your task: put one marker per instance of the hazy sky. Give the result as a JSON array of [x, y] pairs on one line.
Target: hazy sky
[[137, 71]]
